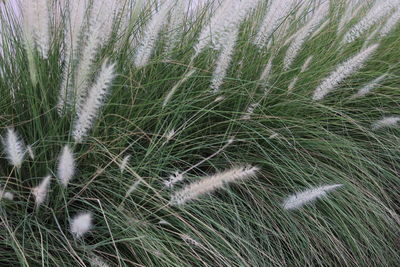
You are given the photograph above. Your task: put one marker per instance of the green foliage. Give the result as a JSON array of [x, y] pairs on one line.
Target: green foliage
[[297, 143]]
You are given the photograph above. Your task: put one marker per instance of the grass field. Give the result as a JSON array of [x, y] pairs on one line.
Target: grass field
[[215, 112]]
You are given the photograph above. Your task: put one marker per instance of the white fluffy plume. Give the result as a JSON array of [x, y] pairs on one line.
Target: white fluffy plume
[[81, 224], [75, 14], [96, 261], [343, 71], [370, 86], [31, 154], [124, 163], [76, 19], [85, 35], [14, 148], [5, 194], [277, 12], [390, 24], [151, 33], [227, 19], [173, 179], [175, 25], [266, 73], [250, 111], [40, 191], [302, 198], [224, 61], [66, 166], [36, 24], [212, 183], [386, 122], [100, 27], [304, 33], [377, 12], [169, 135], [351, 9], [90, 108], [306, 64]]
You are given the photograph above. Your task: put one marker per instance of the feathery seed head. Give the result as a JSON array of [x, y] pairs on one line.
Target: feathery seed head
[[370, 86], [231, 140], [387, 122], [377, 12], [96, 261], [250, 111], [151, 34], [75, 12], [306, 63], [14, 148], [99, 31], [176, 21], [124, 163], [189, 240], [224, 61], [170, 134], [224, 23], [219, 98], [265, 75], [344, 70], [164, 222], [304, 33], [36, 24], [390, 24], [132, 188], [273, 136], [177, 85], [173, 179], [66, 166], [6, 195], [304, 67], [302, 198], [351, 10], [81, 224], [30, 152], [277, 12], [212, 183], [292, 84], [40, 191], [90, 109]]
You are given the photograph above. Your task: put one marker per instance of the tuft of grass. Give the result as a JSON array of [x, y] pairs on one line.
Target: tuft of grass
[[176, 130]]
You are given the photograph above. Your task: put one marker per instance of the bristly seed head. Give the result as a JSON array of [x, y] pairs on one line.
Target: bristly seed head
[[81, 224], [302, 198], [66, 166], [6, 195], [211, 183], [386, 122], [14, 148], [173, 179], [40, 191], [90, 108], [124, 163]]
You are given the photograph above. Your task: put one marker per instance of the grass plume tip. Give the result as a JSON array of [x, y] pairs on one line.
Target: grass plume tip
[[40, 192], [66, 166], [211, 183], [302, 198], [387, 122], [81, 224], [90, 108], [124, 163], [14, 148]]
